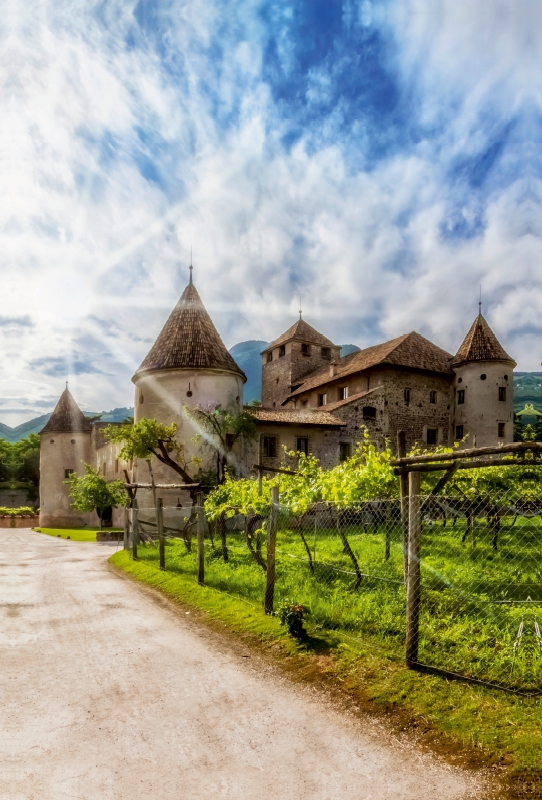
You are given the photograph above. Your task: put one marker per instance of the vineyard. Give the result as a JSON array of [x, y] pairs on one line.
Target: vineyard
[[340, 553]]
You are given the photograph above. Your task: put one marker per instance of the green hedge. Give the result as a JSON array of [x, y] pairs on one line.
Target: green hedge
[[24, 511]]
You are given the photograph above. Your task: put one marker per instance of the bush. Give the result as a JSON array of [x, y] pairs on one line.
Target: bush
[[292, 615], [24, 511]]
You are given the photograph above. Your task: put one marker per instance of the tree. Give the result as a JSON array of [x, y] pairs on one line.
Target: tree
[[92, 492], [220, 429], [26, 455], [149, 438]]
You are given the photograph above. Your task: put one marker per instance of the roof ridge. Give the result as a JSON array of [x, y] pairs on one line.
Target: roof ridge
[[189, 339], [313, 336]]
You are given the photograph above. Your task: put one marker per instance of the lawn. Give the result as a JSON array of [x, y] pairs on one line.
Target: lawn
[[75, 534]]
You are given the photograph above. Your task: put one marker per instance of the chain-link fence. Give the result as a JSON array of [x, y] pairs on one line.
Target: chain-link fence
[[479, 604], [345, 565], [480, 611]]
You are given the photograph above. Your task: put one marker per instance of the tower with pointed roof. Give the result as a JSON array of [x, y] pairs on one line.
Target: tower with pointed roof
[[483, 389], [65, 445], [286, 361], [187, 366]]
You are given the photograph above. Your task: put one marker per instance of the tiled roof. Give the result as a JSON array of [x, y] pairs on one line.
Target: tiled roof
[[409, 350], [303, 332], [340, 403], [189, 339], [481, 344], [67, 417], [292, 416]]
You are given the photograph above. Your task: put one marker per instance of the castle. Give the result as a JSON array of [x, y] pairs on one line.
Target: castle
[[313, 401]]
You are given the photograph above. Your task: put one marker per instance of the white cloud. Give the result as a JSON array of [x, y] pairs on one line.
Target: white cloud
[[90, 109]]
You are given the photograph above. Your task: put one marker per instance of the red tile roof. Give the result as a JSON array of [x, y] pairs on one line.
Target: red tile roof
[[67, 417], [303, 332], [352, 399], [189, 340], [481, 344], [409, 350]]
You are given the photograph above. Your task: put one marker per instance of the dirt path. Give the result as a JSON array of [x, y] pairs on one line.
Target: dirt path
[[105, 693]]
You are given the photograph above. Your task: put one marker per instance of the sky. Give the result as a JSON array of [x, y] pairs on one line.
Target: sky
[[380, 160]]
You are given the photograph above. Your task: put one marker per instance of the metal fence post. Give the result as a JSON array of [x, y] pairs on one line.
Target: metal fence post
[[413, 575], [135, 530], [161, 537], [271, 543], [201, 530]]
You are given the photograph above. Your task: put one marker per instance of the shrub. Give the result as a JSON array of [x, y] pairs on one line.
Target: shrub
[[24, 511], [292, 615]]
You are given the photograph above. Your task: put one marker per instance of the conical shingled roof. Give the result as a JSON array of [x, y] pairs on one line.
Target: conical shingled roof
[[189, 340], [301, 331], [67, 417], [480, 344]]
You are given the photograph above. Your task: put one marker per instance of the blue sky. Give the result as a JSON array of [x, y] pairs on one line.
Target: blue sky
[[380, 159]]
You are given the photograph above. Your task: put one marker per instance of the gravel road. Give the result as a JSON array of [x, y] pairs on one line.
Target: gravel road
[[107, 692]]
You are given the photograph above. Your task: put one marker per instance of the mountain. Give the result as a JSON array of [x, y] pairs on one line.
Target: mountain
[[247, 356]]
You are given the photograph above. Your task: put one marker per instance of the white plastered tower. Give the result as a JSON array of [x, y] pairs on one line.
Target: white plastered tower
[[65, 445], [483, 390], [187, 366]]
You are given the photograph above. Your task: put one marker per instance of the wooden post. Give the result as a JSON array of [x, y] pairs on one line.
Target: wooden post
[[135, 530], [201, 531], [160, 526], [403, 481], [271, 543], [126, 527], [388, 521], [413, 576], [153, 485], [260, 482]]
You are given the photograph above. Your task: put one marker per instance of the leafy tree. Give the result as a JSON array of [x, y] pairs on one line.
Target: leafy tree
[[220, 429], [149, 438], [26, 455], [92, 492], [5, 460]]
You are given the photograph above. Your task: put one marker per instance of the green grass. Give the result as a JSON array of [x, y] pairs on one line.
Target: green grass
[[75, 534], [470, 722]]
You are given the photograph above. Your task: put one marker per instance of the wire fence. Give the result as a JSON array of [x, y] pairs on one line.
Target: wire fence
[[479, 605]]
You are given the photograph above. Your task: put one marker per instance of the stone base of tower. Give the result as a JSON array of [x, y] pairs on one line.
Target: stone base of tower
[[64, 520]]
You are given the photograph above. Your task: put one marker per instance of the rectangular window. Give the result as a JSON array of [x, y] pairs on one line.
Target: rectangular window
[[458, 432], [407, 395], [433, 397], [343, 393], [306, 349], [304, 403], [230, 440], [322, 399], [104, 467], [431, 435], [68, 472], [326, 352], [460, 397], [270, 356], [270, 446], [116, 465], [302, 445], [282, 350], [345, 451], [501, 430], [369, 412], [502, 392]]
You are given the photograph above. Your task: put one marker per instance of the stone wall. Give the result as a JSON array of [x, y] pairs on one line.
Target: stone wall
[[280, 374], [482, 411], [323, 443]]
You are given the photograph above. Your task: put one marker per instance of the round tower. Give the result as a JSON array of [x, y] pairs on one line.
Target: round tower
[[65, 445], [187, 366], [483, 390]]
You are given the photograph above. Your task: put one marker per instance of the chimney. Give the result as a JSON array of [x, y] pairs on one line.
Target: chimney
[[332, 369]]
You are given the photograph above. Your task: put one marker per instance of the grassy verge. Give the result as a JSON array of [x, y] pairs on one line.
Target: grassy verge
[[467, 723], [75, 534]]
